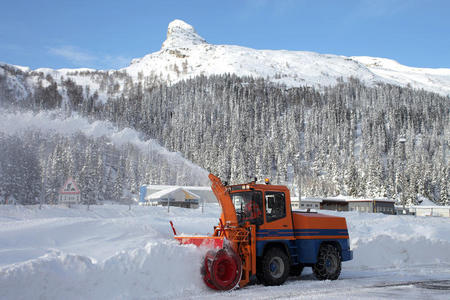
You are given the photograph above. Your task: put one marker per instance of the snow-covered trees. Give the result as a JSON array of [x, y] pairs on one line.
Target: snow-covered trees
[[347, 134], [20, 172], [102, 171], [346, 137]]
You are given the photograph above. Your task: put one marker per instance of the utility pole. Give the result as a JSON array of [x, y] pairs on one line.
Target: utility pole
[[168, 203], [299, 178], [41, 199], [299, 189], [444, 153]]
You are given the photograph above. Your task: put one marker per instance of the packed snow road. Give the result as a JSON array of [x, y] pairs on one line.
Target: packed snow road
[[110, 252]]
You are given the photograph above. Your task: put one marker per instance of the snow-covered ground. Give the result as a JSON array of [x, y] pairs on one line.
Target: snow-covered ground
[[110, 252]]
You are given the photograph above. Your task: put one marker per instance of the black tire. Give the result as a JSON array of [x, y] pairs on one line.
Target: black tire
[[275, 267], [328, 266], [296, 270]]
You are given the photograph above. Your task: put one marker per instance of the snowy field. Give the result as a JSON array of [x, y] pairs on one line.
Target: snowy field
[[110, 252]]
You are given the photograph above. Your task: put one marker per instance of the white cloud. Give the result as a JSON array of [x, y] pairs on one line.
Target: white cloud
[[277, 8], [116, 62], [81, 58], [11, 47], [74, 55], [380, 8]]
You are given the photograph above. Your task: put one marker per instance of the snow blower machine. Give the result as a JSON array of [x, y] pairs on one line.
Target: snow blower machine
[[260, 239]]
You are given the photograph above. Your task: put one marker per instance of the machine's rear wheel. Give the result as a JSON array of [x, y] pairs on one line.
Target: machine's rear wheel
[[222, 270], [274, 267], [328, 264]]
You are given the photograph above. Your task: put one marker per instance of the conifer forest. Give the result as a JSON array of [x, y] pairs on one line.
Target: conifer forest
[[347, 139]]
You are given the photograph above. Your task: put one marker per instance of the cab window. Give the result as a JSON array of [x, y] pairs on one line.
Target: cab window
[[275, 206], [248, 206]]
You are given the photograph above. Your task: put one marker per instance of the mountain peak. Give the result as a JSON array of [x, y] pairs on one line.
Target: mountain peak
[[181, 35]]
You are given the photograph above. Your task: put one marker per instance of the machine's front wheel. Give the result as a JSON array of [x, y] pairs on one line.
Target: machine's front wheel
[[274, 267], [328, 264]]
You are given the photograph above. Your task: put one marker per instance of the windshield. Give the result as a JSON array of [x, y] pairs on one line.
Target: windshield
[[248, 206]]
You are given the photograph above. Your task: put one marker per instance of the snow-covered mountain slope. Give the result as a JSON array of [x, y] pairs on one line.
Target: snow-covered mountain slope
[[185, 54], [435, 80], [110, 252]]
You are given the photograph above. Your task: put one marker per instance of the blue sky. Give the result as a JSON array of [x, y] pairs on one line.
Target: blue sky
[[108, 34]]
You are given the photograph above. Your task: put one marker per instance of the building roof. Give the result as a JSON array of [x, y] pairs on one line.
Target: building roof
[[334, 199], [190, 195], [306, 199], [163, 187], [351, 199], [372, 200], [425, 201], [170, 190], [430, 207]]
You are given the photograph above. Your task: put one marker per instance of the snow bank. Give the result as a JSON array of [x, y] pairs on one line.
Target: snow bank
[[110, 252], [384, 241], [28, 233], [160, 269], [394, 252]]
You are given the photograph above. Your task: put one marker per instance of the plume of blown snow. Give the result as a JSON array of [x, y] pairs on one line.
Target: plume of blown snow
[[54, 121]]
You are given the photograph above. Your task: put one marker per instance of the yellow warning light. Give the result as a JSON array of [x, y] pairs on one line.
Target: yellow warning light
[[267, 181]]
